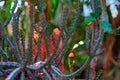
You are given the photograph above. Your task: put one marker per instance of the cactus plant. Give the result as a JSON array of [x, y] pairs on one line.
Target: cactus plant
[[40, 54]]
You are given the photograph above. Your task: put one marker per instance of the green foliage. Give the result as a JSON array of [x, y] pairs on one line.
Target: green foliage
[[8, 6], [97, 13], [0, 55], [54, 7], [54, 3], [6, 11], [89, 19], [81, 57], [106, 25], [93, 16], [50, 65], [117, 30]]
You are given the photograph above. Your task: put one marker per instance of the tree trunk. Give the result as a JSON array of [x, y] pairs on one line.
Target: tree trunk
[[110, 41]]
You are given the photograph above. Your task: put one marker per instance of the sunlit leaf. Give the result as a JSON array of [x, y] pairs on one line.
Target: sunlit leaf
[[54, 2], [89, 19], [106, 25]]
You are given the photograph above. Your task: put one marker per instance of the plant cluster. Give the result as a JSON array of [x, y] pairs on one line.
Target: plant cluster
[[43, 57]]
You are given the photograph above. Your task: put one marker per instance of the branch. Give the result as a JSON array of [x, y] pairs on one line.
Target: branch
[[3, 54], [10, 64], [36, 65], [99, 75], [11, 15], [46, 74], [29, 50], [58, 72], [13, 74], [31, 75], [22, 76]]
